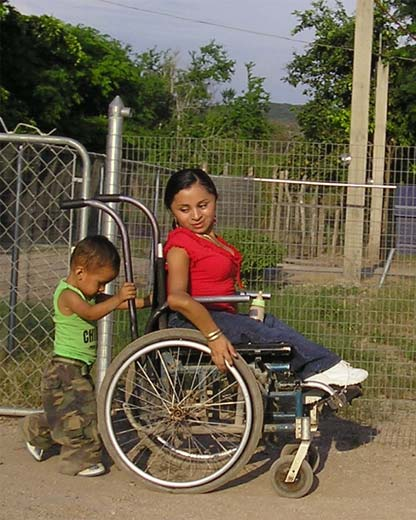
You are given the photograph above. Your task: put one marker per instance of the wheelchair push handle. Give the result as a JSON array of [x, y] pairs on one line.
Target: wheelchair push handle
[[128, 270], [109, 197], [73, 204]]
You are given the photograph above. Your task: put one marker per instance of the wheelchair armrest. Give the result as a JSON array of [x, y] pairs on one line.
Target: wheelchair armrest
[[241, 297], [231, 298]]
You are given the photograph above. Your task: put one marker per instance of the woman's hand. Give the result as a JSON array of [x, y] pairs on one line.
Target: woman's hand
[[222, 351]]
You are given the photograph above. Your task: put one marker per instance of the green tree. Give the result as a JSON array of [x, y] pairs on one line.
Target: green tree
[[244, 116], [325, 70], [193, 88], [55, 75], [200, 108], [31, 74], [402, 88]]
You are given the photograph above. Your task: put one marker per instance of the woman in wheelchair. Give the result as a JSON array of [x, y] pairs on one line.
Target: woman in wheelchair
[[201, 263]]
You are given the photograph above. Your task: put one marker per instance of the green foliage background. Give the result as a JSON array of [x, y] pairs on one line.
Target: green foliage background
[[55, 75], [258, 249]]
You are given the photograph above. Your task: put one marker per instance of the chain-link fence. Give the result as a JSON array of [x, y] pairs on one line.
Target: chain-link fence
[[283, 204], [35, 236]]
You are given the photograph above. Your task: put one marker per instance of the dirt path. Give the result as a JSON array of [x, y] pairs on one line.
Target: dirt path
[[360, 479]]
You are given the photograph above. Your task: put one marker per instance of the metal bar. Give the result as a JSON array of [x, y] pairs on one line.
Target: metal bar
[[14, 274], [116, 113], [387, 266], [19, 412], [65, 141], [116, 198], [128, 269], [105, 356], [324, 183]]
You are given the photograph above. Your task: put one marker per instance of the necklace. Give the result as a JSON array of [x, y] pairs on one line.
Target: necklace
[[209, 237], [215, 241]]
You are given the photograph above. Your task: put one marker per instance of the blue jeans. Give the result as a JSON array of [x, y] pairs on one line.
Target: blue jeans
[[307, 357]]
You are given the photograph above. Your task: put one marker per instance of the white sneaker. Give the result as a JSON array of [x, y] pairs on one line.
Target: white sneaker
[[341, 374], [37, 453], [92, 471]]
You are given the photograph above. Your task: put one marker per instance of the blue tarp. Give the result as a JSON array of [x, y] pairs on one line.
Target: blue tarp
[[404, 211]]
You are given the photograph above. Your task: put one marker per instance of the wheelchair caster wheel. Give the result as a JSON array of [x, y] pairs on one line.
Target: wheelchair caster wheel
[[302, 483], [312, 456]]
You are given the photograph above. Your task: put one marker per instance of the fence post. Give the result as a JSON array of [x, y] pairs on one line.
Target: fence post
[[116, 113], [379, 156], [15, 257], [354, 219]]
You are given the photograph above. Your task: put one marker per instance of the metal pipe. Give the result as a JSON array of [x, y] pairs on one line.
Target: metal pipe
[[14, 272], [108, 198], [321, 183], [19, 412], [65, 141], [116, 113], [128, 268]]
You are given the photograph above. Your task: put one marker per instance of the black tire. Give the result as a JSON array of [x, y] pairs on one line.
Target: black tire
[[167, 415], [314, 458], [302, 483]]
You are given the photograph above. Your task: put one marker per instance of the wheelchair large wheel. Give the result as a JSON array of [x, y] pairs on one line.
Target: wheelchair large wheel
[[167, 415]]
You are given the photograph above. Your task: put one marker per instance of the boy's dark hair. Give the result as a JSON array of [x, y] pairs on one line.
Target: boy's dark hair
[[183, 179], [94, 252]]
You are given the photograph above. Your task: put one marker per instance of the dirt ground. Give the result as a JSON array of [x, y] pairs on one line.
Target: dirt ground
[[361, 476]]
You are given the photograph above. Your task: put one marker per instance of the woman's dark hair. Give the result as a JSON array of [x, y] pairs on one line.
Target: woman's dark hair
[[94, 252], [183, 179]]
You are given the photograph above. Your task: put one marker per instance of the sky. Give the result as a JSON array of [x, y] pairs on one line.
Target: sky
[[256, 31]]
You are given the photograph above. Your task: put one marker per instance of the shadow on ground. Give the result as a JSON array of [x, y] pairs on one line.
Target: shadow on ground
[[334, 433]]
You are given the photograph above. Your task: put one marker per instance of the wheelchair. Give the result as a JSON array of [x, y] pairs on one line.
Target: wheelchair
[[167, 415]]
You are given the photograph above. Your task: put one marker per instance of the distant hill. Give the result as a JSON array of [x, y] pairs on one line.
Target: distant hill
[[283, 113]]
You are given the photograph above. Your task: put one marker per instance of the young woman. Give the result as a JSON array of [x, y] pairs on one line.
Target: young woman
[[201, 263]]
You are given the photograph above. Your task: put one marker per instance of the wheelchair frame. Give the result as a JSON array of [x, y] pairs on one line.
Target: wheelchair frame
[[168, 416]]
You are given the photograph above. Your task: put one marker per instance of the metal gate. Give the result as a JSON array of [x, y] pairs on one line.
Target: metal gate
[[36, 172]]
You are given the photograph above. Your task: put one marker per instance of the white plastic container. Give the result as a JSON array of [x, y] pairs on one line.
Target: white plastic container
[[256, 311]]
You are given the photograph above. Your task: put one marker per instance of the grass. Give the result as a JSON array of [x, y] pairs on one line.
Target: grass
[[370, 327], [21, 369]]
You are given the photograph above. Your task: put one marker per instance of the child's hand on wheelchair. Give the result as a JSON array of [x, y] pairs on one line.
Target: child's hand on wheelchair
[[127, 291], [146, 301]]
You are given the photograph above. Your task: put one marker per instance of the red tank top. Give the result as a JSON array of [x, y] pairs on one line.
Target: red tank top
[[213, 271]]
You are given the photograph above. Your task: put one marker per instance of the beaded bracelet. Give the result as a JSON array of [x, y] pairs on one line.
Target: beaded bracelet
[[212, 336]]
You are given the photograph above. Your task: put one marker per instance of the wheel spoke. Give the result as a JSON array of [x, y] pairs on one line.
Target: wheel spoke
[[173, 419]]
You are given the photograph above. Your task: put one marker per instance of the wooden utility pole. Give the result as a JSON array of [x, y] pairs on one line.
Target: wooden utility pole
[[379, 153], [354, 224]]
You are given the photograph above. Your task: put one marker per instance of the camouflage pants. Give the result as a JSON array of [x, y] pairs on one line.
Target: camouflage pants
[[69, 418]]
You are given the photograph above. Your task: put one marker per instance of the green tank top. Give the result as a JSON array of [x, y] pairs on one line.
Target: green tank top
[[75, 337]]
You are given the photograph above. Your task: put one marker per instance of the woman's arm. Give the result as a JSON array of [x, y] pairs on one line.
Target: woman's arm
[[179, 300]]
